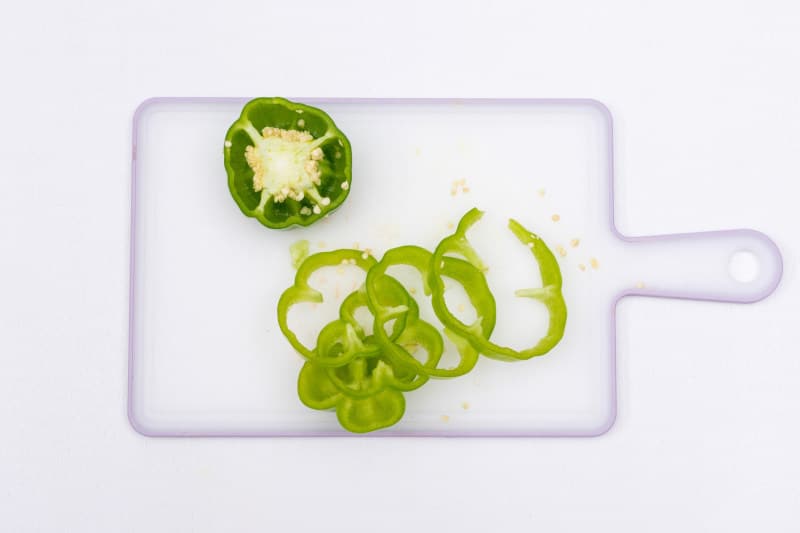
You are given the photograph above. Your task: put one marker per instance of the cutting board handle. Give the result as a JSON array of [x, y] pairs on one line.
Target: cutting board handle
[[729, 266]]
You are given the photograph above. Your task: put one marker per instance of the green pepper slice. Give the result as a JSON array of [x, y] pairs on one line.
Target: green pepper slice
[[344, 339], [423, 333], [287, 163], [355, 414], [389, 295], [301, 291], [549, 293]]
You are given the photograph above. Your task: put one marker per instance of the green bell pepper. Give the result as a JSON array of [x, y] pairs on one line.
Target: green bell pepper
[[348, 372], [549, 293], [301, 291], [378, 410], [363, 376], [287, 163], [420, 332]]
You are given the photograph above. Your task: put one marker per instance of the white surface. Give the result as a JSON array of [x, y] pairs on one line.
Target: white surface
[[708, 124], [209, 357]]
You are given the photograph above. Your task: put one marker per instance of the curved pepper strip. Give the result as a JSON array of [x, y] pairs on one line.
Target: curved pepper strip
[[358, 300], [549, 294], [341, 343], [301, 291], [344, 339], [391, 297], [420, 332], [356, 414]]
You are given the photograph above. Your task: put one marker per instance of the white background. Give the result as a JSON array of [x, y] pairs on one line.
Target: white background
[[707, 112]]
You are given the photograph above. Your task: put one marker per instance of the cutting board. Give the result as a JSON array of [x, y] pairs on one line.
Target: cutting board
[[206, 357]]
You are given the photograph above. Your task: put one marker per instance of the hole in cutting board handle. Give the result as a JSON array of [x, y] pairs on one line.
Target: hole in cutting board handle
[[744, 266]]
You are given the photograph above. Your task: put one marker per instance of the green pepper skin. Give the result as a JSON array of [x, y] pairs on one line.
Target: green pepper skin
[[390, 295], [301, 291], [356, 414], [335, 166], [549, 294], [420, 332], [364, 389], [350, 373]]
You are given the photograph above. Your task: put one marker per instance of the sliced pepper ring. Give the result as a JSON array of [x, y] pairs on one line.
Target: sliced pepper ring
[[358, 299], [420, 332], [342, 340], [381, 409], [339, 343], [301, 291], [549, 294]]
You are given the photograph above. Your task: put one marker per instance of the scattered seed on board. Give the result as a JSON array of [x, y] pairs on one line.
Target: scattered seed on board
[[465, 405], [582, 267], [445, 418], [594, 262], [561, 251], [556, 218], [459, 185], [574, 243]]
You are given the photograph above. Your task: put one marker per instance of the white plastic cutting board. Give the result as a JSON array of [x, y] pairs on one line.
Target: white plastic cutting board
[[206, 355]]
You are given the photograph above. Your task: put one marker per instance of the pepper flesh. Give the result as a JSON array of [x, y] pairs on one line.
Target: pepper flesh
[[349, 371], [287, 163], [548, 294], [301, 291], [420, 332], [356, 414]]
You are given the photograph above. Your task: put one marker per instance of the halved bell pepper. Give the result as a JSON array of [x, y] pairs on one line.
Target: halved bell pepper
[[549, 293], [287, 163]]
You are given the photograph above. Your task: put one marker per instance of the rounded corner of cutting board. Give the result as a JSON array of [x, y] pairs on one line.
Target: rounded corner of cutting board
[[606, 425], [138, 423]]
